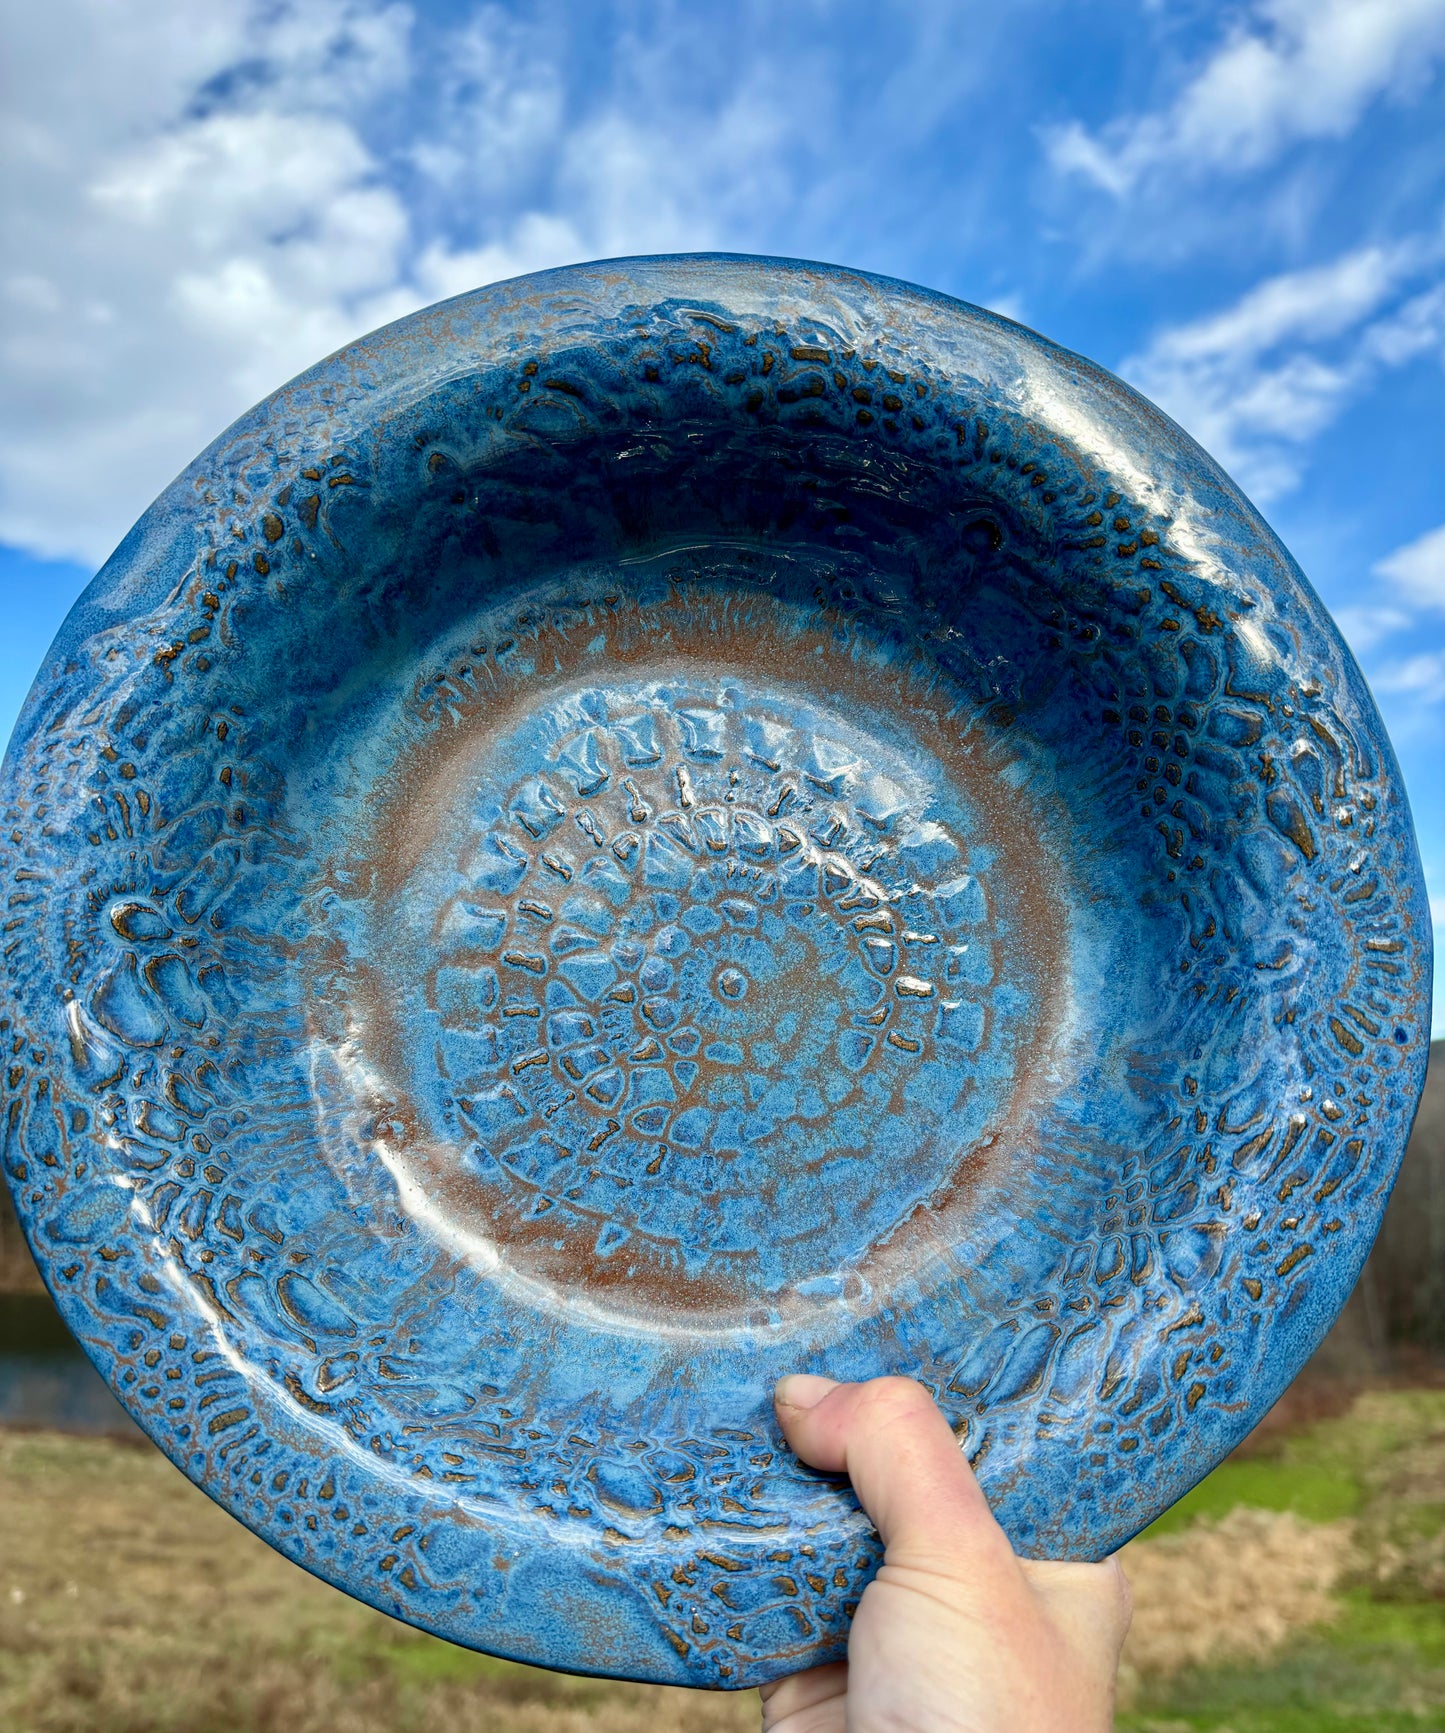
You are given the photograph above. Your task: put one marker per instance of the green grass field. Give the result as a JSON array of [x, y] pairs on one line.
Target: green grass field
[[130, 1604], [1378, 1665]]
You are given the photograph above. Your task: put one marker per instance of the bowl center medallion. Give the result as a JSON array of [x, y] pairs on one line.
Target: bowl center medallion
[[707, 985]]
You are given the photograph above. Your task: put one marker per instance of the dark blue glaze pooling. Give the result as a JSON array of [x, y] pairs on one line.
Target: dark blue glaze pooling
[[665, 823]]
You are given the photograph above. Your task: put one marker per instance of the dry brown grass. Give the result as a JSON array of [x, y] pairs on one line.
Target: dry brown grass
[[1231, 1590], [1402, 1534], [129, 1603]]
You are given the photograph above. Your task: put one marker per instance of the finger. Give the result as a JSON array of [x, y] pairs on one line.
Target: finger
[[810, 1702], [1091, 1605], [890, 1438]]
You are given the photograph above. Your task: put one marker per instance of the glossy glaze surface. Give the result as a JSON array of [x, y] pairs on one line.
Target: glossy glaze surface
[[665, 823]]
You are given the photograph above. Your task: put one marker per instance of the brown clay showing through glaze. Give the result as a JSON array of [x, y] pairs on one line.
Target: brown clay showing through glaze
[[708, 964], [673, 822]]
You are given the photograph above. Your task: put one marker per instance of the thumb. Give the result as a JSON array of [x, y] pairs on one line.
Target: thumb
[[905, 1464]]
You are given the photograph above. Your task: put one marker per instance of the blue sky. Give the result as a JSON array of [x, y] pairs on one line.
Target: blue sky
[[1241, 208]]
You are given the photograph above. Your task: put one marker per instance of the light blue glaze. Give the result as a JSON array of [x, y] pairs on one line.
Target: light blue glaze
[[670, 822]]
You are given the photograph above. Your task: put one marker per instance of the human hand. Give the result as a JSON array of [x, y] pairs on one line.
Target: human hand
[[955, 1634]]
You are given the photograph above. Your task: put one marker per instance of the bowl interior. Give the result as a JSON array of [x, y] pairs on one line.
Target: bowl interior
[[639, 846]]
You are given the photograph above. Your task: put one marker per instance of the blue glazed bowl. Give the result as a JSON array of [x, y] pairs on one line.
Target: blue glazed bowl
[[665, 823]]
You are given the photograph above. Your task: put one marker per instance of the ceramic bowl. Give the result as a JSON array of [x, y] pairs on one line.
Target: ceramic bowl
[[670, 822]]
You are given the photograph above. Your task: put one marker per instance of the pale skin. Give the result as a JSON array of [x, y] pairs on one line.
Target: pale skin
[[956, 1633]]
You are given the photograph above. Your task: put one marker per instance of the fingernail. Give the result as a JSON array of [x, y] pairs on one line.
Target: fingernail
[[802, 1390]]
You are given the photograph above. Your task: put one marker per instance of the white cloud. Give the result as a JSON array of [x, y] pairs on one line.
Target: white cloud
[[1421, 675], [498, 106], [198, 217], [202, 200], [1295, 70], [1413, 580], [1365, 626], [1409, 675], [1008, 307], [1257, 381], [1417, 570], [195, 232], [534, 242]]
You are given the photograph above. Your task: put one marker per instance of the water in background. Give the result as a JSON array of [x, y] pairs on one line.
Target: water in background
[[45, 1379]]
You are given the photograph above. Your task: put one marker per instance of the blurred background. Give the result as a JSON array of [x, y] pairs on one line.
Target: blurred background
[[1238, 207]]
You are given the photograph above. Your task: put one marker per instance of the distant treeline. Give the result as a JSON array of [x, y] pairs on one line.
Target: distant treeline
[[1404, 1280]]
